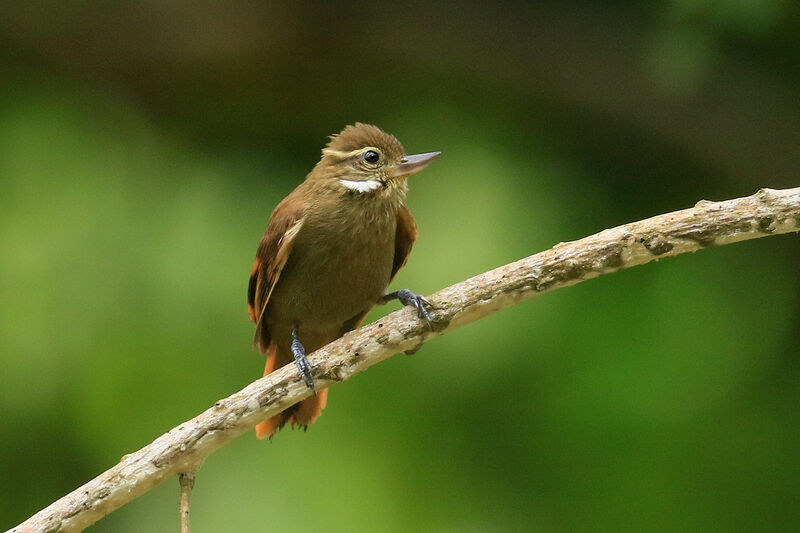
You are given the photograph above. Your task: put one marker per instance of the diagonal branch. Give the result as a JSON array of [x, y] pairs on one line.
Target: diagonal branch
[[183, 449]]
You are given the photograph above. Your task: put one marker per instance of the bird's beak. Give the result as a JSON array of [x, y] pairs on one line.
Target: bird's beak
[[411, 164]]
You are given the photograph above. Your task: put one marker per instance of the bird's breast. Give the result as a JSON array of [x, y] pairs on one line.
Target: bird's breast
[[339, 266]]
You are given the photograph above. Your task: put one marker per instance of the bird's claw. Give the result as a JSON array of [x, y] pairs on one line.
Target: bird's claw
[[301, 361], [418, 302]]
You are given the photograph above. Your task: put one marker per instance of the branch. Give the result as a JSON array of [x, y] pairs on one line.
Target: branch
[[184, 448], [187, 484]]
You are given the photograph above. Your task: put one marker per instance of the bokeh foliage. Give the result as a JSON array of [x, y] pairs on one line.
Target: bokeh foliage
[[142, 147]]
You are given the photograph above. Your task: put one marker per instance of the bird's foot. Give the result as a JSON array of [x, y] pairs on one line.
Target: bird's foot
[[417, 301], [301, 361]]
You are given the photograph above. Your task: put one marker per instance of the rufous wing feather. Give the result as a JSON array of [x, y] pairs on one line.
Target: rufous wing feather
[[404, 239], [273, 253]]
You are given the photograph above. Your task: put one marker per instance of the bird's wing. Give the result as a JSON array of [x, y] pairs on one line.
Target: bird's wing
[[404, 239], [272, 255]]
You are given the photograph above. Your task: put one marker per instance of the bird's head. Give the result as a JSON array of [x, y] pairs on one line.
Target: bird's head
[[364, 160]]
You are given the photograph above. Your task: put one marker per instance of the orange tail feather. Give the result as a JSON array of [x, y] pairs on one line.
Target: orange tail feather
[[303, 413], [309, 409]]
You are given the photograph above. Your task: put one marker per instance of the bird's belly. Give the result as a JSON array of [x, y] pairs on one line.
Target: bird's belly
[[327, 282]]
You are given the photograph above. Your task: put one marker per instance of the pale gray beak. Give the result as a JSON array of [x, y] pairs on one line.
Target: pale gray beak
[[413, 163]]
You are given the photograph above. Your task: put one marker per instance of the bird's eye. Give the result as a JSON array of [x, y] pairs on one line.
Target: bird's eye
[[371, 157]]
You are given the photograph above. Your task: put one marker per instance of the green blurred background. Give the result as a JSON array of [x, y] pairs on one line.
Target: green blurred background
[[143, 146]]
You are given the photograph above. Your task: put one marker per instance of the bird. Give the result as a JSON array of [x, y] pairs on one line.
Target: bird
[[330, 251]]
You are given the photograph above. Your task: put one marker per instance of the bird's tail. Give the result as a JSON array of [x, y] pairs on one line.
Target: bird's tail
[[303, 414]]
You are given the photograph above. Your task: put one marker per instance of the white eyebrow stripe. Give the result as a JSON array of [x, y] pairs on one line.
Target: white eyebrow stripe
[[341, 154], [361, 186]]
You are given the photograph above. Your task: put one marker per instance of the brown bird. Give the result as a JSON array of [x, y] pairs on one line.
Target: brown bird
[[331, 248]]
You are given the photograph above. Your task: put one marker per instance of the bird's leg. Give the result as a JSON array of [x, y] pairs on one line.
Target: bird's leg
[[407, 297], [300, 360]]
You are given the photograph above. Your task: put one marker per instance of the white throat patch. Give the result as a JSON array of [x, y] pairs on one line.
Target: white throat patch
[[361, 186]]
